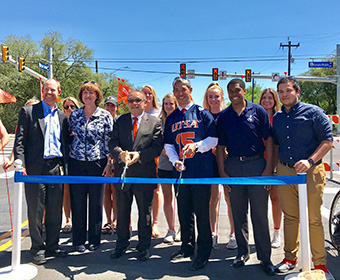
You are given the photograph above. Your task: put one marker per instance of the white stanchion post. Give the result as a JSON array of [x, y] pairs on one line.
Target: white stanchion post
[[17, 271], [305, 255], [17, 215], [304, 227]]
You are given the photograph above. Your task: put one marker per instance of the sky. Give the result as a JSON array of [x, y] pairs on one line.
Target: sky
[[144, 42]]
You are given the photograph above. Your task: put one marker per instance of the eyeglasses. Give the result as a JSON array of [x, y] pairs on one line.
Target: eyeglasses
[[69, 106], [138, 100], [92, 82]]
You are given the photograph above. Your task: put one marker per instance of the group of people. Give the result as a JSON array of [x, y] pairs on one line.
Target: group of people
[[182, 139]]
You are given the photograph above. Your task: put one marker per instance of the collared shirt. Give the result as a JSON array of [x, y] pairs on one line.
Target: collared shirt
[[52, 141], [242, 134], [139, 119], [91, 136], [300, 131]]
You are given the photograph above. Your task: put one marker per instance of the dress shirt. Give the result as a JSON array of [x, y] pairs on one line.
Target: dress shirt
[[299, 131], [139, 119], [52, 142]]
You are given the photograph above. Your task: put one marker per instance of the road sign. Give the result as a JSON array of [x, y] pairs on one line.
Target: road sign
[[320, 64], [223, 75], [275, 77], [44, 66], [191, 74]]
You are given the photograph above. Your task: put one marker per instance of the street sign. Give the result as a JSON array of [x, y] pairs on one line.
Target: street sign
[[191, 74], [320, 64], [223, 75], [44, 66], [275, 77]]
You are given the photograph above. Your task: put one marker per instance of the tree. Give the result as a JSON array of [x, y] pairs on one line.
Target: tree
[[70, 67], [257, 93], [321, 94]]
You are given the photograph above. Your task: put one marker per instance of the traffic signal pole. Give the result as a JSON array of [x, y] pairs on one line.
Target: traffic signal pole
[[26, 69]]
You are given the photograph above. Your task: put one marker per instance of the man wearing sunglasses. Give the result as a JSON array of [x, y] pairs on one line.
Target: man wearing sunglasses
[[40, 144], [135, 143]]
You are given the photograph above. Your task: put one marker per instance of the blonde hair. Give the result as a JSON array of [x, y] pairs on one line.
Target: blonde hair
[[72, 99], [32, 101], [276, 106], [213, 85], [163, 114], [154, 101]]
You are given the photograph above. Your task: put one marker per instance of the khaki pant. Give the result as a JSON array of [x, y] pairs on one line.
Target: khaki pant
[[289, 199]]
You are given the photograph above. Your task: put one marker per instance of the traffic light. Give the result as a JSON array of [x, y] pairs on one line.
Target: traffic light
[[215, 74], [248, 75], [21, 64], [5, 53], [183, 70]]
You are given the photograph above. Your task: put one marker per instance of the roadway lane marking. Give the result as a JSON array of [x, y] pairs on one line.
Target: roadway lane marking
[[9, 243]]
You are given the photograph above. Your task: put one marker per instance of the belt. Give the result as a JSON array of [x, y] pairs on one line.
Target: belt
[[244, 158], [51, 161], [291, 164]]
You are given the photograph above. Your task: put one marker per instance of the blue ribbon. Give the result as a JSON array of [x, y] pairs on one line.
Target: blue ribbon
[[270, 180]]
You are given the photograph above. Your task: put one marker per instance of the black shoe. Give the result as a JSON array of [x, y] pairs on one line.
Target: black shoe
[[240, 261], [93, 247], [143, 255], [179, 255], [39, 258], [81, 248], [199, 263], [117, 253], [58, 253], [268, 268]]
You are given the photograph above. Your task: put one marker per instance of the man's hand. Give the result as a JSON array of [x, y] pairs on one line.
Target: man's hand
[[189, 149], [267, 172], [24, 172], [179, 166], [302, 166], [129, 157], [134, 157]]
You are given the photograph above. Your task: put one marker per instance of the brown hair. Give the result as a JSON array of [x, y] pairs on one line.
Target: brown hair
[[154, 102], [163, 114], [205, 100], [91, 86], [276, 106]]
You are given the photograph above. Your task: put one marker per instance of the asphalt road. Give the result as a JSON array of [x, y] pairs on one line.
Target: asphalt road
[[98, 265]]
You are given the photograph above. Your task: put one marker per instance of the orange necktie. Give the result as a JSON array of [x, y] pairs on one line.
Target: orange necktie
[[134, 127]]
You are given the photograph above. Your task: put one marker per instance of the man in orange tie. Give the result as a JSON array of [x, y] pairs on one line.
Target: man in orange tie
[[136, 141]]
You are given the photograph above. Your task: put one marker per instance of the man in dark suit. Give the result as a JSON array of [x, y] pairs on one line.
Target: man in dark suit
[[40, 144], [136, 140]]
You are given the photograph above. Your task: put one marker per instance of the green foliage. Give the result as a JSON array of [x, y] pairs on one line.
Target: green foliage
[[70, 67], [257, 93], [321, 94]]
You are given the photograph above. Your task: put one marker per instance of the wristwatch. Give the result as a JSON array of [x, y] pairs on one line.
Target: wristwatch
[[311, 161]]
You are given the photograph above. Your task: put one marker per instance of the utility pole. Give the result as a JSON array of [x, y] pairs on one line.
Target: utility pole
[[96, 66], [289, 46], [50, 61]]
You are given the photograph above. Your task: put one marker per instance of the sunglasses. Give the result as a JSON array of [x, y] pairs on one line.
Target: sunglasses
[[138, 100], [92, 82], [69, 106]]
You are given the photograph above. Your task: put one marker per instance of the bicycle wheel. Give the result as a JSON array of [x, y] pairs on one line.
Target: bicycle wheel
[[334, 221]]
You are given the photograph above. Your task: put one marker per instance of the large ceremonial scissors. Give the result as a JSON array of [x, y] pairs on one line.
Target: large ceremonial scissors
[[180, 174], [124, 172]]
